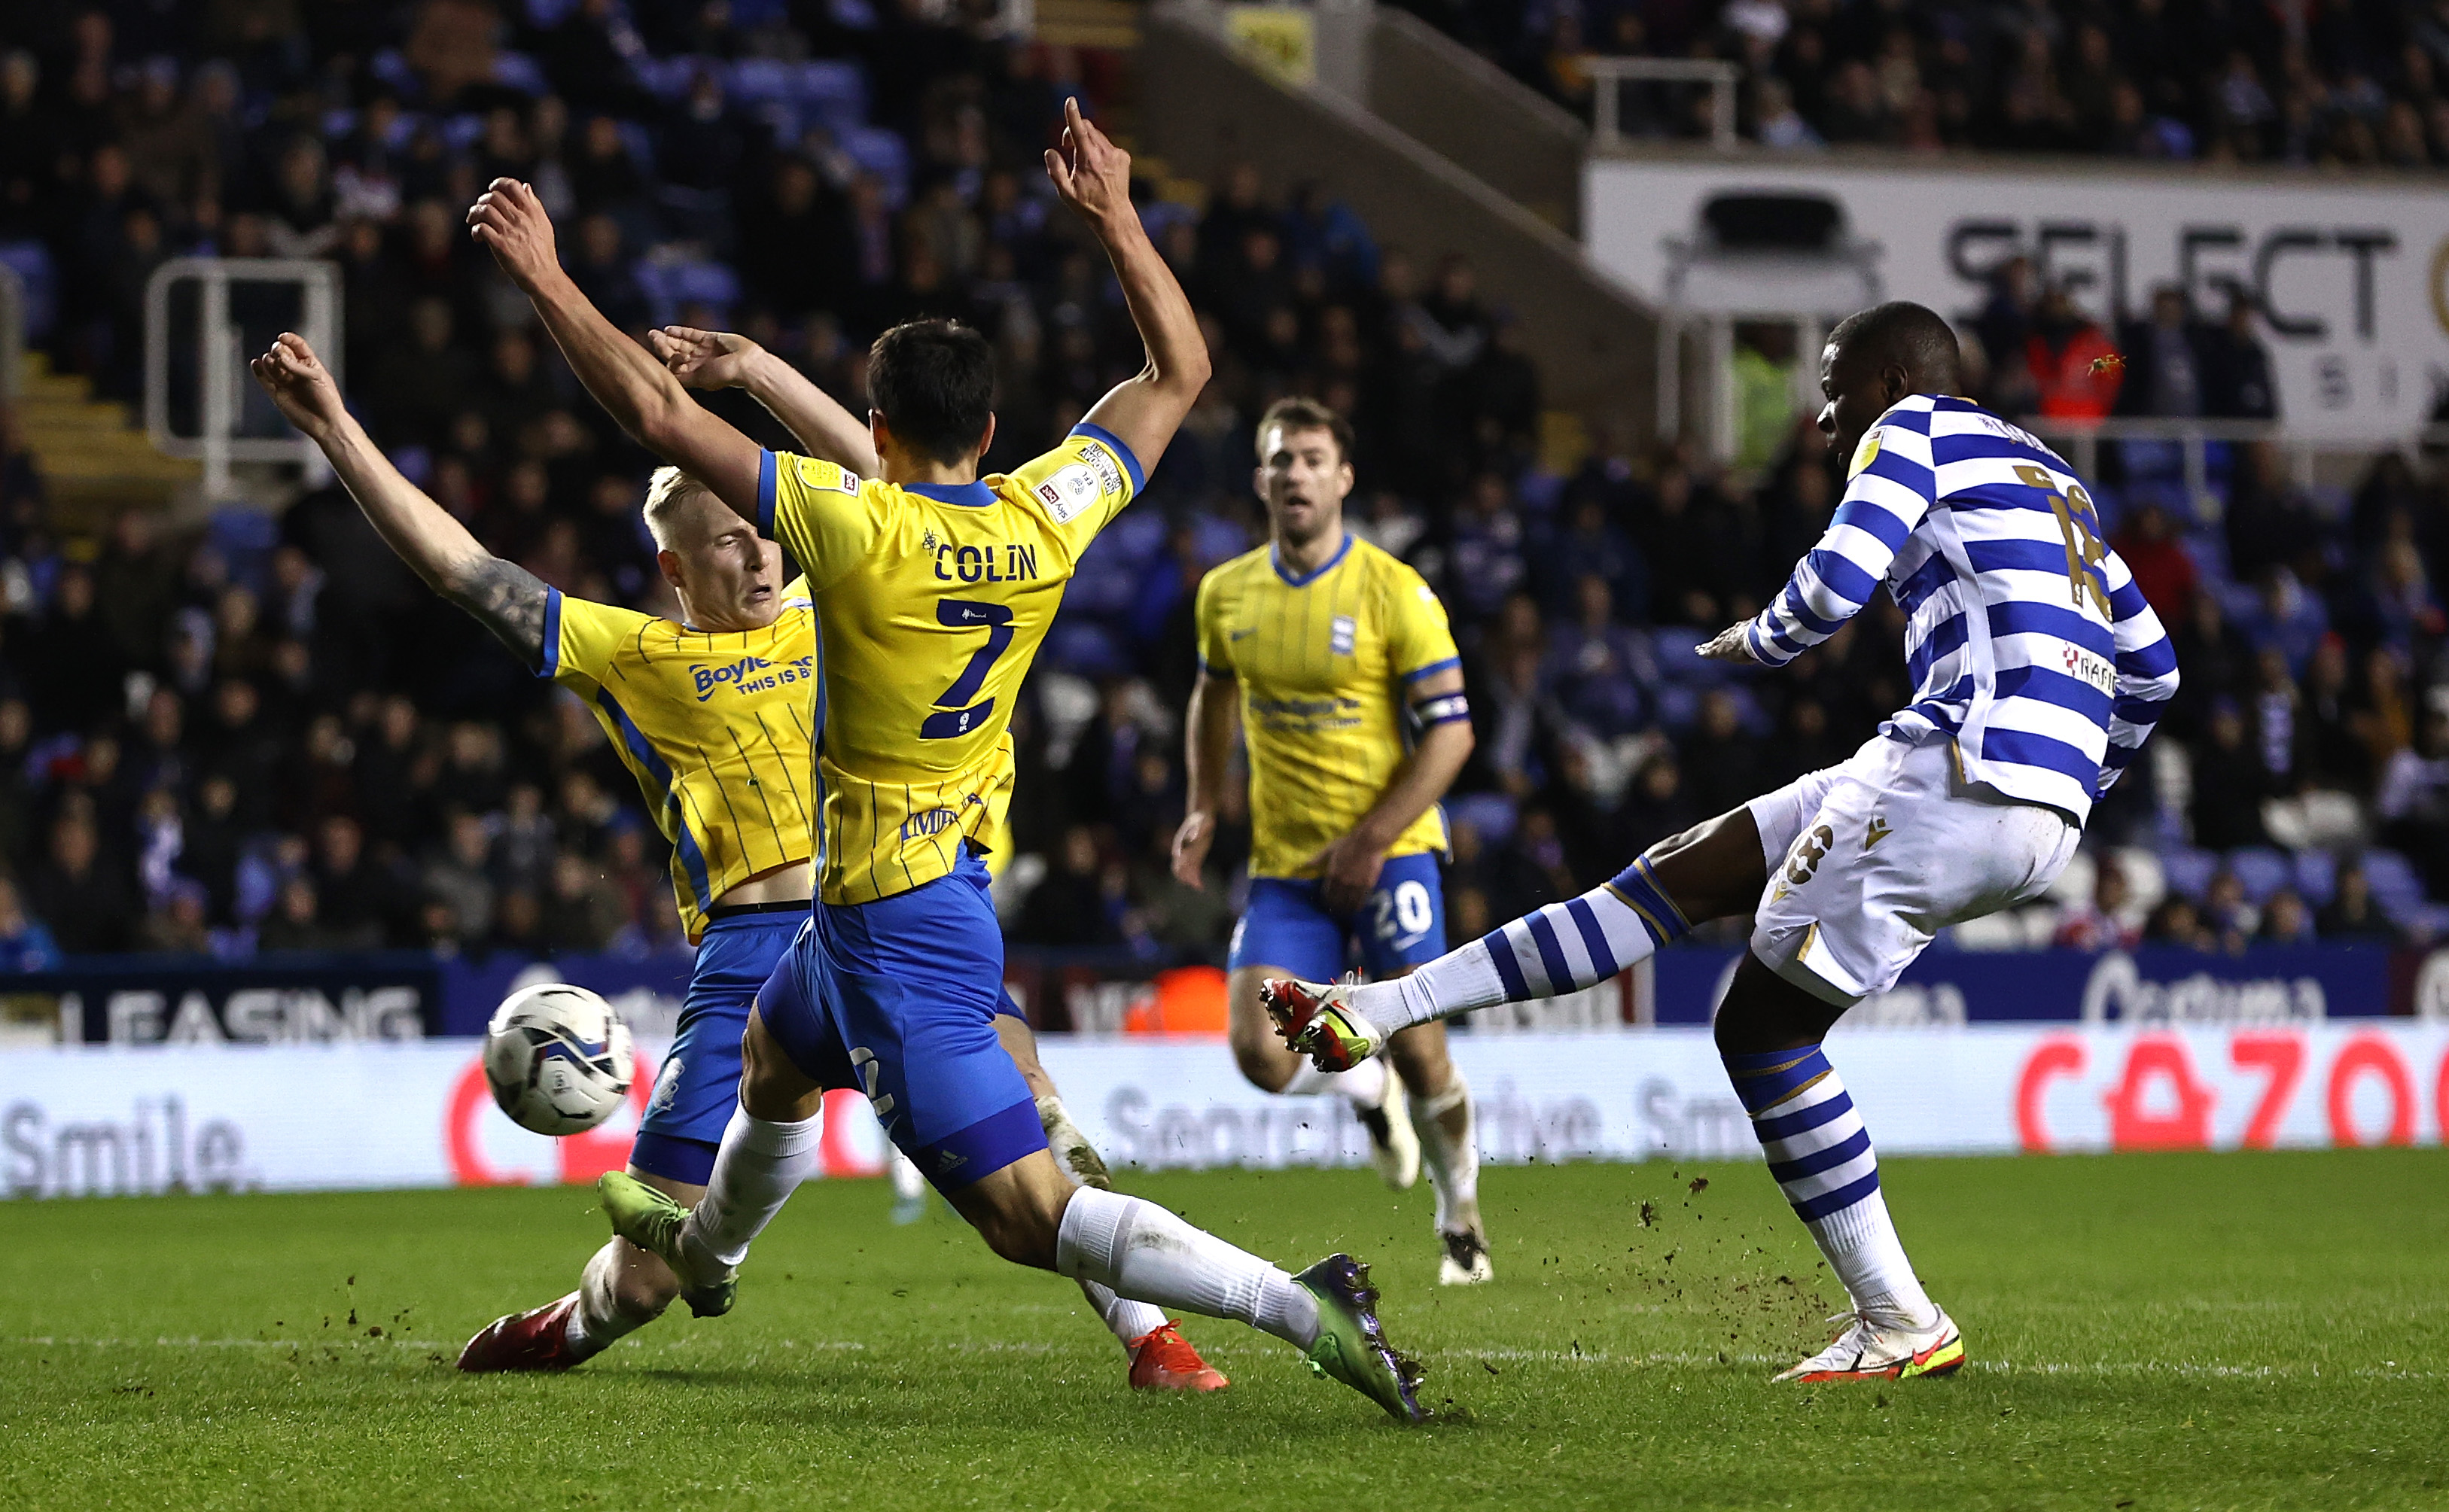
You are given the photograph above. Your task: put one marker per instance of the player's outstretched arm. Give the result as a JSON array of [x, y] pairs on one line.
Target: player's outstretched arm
[[633, 387], [1093, 176], [505, 598], [1214, 711], [719, 359]]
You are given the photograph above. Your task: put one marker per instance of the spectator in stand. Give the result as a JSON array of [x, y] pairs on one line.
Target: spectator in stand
[[25, 943], [84, 897], [2064, 353], [1071, 907], [2167, 363], [2352, 916], [2285, 920], [177, 925], [1598, 669], [2414, 799], [2102, 922], [2238, 385], [2230, 782], [2163, 568], [2176, 921]]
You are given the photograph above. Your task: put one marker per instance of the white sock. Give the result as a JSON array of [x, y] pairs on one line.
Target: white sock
[[1130, 1321], [1821, 1157], [1363, 1086], [599, 1319], [907, 1182], [755, 1171], [1141, 1251], [1453, 1163], [1563, 948], [1863, 1250]]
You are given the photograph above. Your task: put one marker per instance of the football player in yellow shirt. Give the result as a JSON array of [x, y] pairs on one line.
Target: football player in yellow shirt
[[933, 589], [1336, 661], [709, 713]]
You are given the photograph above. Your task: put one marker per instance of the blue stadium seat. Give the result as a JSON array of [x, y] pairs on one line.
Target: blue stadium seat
[[2189, 870], [1078, 643], [245, 538], [670, 285], [517, 70], [1491, 814], [1674, 646], [2262, 869], [2316, 877], [884, 154], [2394, 886], [32, 260]]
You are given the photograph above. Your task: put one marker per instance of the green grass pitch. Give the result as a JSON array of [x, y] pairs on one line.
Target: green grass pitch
[[2147, 1332]]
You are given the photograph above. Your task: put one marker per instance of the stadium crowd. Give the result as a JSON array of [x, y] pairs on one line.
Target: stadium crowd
[[2364, 83], [262, 734]]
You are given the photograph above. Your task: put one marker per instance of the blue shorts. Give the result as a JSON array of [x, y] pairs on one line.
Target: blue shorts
[[1400, 925], [897, 998], [700, 1083]]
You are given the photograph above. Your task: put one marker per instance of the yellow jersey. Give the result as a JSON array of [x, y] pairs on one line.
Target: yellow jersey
[[714, 725], [931, 602], [1322, 662]]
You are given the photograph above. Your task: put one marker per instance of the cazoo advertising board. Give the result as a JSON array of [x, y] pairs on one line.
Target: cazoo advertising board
[[105, 1120]]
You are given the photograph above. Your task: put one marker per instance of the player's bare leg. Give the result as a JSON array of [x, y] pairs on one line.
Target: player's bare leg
[[622, 1290], [1768, 1032], [1442, 1116], [1072, 1148], [770, 1148], [1378, 1100], [1161, 1357], [1032, 1214]]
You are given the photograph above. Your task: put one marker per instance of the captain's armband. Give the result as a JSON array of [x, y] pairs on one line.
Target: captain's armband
[[1442, 708]]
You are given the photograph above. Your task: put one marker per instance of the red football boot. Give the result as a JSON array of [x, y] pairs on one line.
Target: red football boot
[[1163, 1360], [537, 1339]]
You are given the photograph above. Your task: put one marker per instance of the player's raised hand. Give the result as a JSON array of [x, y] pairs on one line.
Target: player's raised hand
[[1733, 643], [705, 359], [1091, 174], [509, 220], [1190, 843], [300, 385]]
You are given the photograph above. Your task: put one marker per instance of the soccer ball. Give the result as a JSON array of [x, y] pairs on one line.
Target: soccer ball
[[558, 1059]]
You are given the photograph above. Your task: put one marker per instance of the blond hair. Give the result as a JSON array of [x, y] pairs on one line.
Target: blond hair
[[667, 493]]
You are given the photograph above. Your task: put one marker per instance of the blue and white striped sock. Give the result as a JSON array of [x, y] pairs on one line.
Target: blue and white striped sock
[[1822, 1157], [1563, 947]]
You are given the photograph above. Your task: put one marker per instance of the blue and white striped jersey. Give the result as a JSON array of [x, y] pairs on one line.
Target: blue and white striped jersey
[[2025, 635]]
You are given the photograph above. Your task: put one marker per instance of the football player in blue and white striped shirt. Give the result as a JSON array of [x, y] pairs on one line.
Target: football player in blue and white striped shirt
[[2039, 671]]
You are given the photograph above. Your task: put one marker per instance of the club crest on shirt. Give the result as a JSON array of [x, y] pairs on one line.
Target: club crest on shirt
[[1340, 636], [1070, 492], [1865, 454]]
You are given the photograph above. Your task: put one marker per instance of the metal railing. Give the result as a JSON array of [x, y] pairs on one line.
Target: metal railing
[[2079, 440], [221, 363], [1610, 75]]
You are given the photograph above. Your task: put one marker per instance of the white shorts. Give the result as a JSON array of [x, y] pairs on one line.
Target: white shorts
[[1868, 859]]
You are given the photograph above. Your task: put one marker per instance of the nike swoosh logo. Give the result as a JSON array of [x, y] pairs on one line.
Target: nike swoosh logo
[[1242, 634]]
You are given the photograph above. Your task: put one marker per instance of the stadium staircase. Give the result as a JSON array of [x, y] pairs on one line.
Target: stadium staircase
[[1437, 150], [92, 453]]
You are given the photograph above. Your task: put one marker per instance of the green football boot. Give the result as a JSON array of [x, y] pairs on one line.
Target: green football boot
[[652, 1221], [1352, 1347]]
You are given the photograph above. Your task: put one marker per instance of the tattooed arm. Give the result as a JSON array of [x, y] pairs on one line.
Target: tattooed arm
[[506, 599]]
